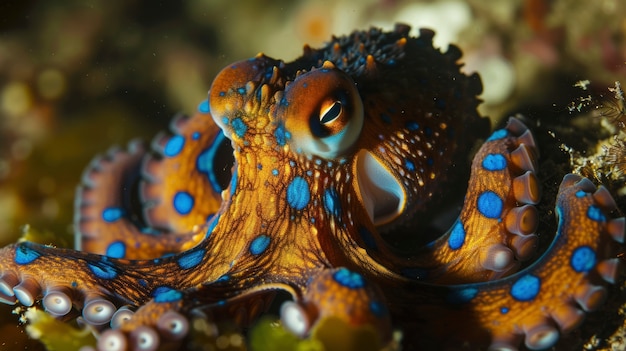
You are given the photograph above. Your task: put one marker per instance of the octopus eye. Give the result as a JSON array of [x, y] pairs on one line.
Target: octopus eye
[[323, 113], [331, 113]]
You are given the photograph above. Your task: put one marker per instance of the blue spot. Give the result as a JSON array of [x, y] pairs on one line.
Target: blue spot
[[367, 238], [349, 279], [239, 127], [281, 135], [241, 90], [25, 255], [204, 162], [430, 161], [222, 93], [595, 213], [274, 172], [412, 126], [103, 270], [428, 131], [195, 135], [174, 146], [410, 166], [490, 205], [259, 244], [378, 309], [165, 294], [183, 202], [581, 193], [494, 162], [223, 278], [583, 259], [284, 102], [457, 236], [498, 134], [212, 225], [204, 107], [331, 203], [298, 194], [112, 214], [526, 288], [233, 182], [142, 282], [461, 296], [504, 310], [116, 249], [191, 259]]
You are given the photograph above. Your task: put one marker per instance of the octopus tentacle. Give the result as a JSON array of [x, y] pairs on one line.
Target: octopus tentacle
[[105, 204], [495, 229], [108, 218], [186, 173], [553, 294], [339, 293]]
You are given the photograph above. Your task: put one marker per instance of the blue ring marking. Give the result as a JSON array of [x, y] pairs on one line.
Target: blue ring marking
[[165, 294], [212, 225], [349, 279], [281, 135], [103, 270], [298, 194], [526, 288], [259, 244], [224, 278], [504, 310], [378, 309], [489, 204], [409, 165], [116, 249], [332, 204], [462, 296], [494, 162], [457, 236], [367, 238], [174, 146], [498, 134], [203, 107], [25, 254], [583, 259], [412, 126], [112, 214], [204, 162], [191, 259], [581, 193], [183, 202], [239, 127], [233, 182], [595, 213]]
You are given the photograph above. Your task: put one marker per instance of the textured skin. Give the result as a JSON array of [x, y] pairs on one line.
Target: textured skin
[[306, 211]]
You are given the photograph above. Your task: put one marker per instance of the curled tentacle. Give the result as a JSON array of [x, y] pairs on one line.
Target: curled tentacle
[[339, 293], [496, 228], [186, 174]]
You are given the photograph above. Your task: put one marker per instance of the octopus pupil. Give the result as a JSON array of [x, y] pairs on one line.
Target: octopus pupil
[[331, 113]]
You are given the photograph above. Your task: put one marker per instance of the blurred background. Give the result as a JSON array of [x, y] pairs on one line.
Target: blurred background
[[79, 76]]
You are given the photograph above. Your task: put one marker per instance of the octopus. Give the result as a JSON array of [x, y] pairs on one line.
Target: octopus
[[294, 177]]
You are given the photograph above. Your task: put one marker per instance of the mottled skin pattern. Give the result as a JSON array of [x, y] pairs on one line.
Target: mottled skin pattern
[[331, 152]]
